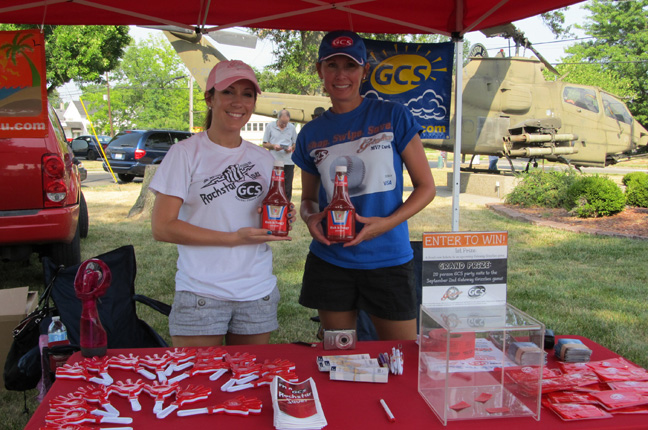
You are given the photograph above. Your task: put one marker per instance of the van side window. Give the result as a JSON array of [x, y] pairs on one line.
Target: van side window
[[158, 141], [177, 137]]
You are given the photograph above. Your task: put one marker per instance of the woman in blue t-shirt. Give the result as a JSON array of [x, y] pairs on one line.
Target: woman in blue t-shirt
[[373, 139]]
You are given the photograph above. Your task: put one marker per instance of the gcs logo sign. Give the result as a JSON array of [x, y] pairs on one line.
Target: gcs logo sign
[[249, 190], [476, 292], [400, 73]]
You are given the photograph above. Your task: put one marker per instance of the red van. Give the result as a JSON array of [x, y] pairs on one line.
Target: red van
[[42, 208]]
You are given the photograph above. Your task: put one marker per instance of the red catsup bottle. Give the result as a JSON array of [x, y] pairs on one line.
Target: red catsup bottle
[[340, 213], [275, 204]]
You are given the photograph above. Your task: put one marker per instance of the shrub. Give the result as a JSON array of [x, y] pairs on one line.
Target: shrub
[[633, 176], [637, 190], [594, 196], [545, 189]]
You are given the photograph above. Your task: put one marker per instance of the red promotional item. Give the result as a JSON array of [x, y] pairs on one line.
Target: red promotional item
[[573, 411], [240, 357], [130, 389], [158, 363], [189, 394], [180, 359], [340, 213], [160, 391], [98, 394], [571, 397], [296, 399], [77, 371], [78, 416], [210, 353], [276, 204], [617, 399], [91, 282], [237, 406]]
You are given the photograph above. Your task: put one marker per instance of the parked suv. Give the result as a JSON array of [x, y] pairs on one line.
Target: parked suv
[[130, 151], [42, 208], [87, 146]]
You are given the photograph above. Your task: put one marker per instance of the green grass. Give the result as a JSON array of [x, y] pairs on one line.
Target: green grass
[[575, 283]]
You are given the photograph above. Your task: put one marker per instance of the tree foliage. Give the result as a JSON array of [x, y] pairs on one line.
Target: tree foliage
[[617, 52], [82, 53], [555, 21], [148, 89], [295, 52]]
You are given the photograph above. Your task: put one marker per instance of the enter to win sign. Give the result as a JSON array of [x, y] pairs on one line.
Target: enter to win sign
[[464, 268]]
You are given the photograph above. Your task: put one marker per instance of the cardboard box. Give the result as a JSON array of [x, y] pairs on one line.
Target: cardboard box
[[15, 304]]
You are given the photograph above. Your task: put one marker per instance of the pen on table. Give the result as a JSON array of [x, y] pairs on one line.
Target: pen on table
[[390, 416]]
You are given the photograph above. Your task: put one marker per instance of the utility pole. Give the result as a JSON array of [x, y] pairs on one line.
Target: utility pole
[[112, 133], [191, 125]]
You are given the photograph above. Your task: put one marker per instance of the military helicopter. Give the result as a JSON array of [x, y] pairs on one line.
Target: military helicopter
[[511, 110], [200, 56]]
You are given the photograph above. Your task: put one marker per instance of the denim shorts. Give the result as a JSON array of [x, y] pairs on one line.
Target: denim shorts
[[194, 315], [387, 292]]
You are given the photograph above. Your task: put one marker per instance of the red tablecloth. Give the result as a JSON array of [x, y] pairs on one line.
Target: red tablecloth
[[347, 405]]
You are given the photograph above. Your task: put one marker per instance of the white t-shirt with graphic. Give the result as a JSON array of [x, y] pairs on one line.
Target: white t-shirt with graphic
[[221, 189]]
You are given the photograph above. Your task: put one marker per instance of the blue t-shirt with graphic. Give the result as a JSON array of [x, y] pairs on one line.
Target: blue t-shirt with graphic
[[368, 140]]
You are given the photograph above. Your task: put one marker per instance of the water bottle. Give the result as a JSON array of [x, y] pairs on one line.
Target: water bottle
[[56, 333], [56, 336]]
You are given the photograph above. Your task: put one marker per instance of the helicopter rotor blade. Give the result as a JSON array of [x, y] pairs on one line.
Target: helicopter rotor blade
[[233, 38], [547, 64], [510, 32], [221, 36]]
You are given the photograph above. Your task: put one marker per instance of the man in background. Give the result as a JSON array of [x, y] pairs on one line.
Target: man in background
[[279, 138]]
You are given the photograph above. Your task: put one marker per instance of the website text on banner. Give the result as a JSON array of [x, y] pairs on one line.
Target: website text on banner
[[416, 75]]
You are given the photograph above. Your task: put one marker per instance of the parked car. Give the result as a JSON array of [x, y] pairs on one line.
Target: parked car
[[87, 146], [42, 208], [130, 151]]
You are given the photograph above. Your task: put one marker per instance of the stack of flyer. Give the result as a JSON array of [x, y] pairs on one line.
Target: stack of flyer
[[296, 405]]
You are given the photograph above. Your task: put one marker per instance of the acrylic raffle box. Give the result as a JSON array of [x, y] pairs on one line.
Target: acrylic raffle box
[[465, 372]]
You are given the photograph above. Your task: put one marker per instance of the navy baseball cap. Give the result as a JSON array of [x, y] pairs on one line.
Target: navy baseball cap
[[343, 42]]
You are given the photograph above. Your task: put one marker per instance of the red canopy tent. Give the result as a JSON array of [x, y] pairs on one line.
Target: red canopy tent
[[449, 17], [372, 16]]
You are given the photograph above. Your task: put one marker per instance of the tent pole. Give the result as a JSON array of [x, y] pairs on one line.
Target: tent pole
[[456, 164]]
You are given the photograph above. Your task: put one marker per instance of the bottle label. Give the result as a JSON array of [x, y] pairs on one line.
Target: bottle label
[[277, 175], [56, 337], [340, 181], [275, 218], [340, 224]]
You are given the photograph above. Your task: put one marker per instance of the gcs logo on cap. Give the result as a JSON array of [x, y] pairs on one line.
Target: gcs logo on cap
[[342, 42]]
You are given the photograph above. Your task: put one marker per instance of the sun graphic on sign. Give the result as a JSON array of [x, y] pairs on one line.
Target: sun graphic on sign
[[397, 72]]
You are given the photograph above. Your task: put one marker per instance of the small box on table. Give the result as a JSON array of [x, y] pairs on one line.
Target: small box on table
[[464, 369]]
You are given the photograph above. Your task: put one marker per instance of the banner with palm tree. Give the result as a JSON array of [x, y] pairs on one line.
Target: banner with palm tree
[[23, 92]]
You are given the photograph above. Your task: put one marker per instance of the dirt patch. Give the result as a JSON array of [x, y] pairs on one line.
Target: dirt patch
[[632, 222]]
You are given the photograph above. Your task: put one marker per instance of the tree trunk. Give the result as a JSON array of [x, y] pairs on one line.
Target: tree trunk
[[144, 204]]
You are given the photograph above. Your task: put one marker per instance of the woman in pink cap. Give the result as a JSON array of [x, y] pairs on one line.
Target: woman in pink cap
[[209, 189]]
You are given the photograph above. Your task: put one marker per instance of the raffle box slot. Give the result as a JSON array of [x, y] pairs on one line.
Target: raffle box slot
[[471, 365]]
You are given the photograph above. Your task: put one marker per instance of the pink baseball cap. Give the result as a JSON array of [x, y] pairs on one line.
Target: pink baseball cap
[[227, 72]]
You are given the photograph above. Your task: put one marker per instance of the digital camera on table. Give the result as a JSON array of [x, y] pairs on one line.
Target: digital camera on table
[[340, 339]]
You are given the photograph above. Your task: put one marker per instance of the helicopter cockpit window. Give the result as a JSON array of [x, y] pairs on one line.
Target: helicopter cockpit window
[[615, 109], [582, 97]]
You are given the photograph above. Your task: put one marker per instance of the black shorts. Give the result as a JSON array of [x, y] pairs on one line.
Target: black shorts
[[388, 293]]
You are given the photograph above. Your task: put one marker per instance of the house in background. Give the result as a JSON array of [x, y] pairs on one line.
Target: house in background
[[254, 129], [73, 120]]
